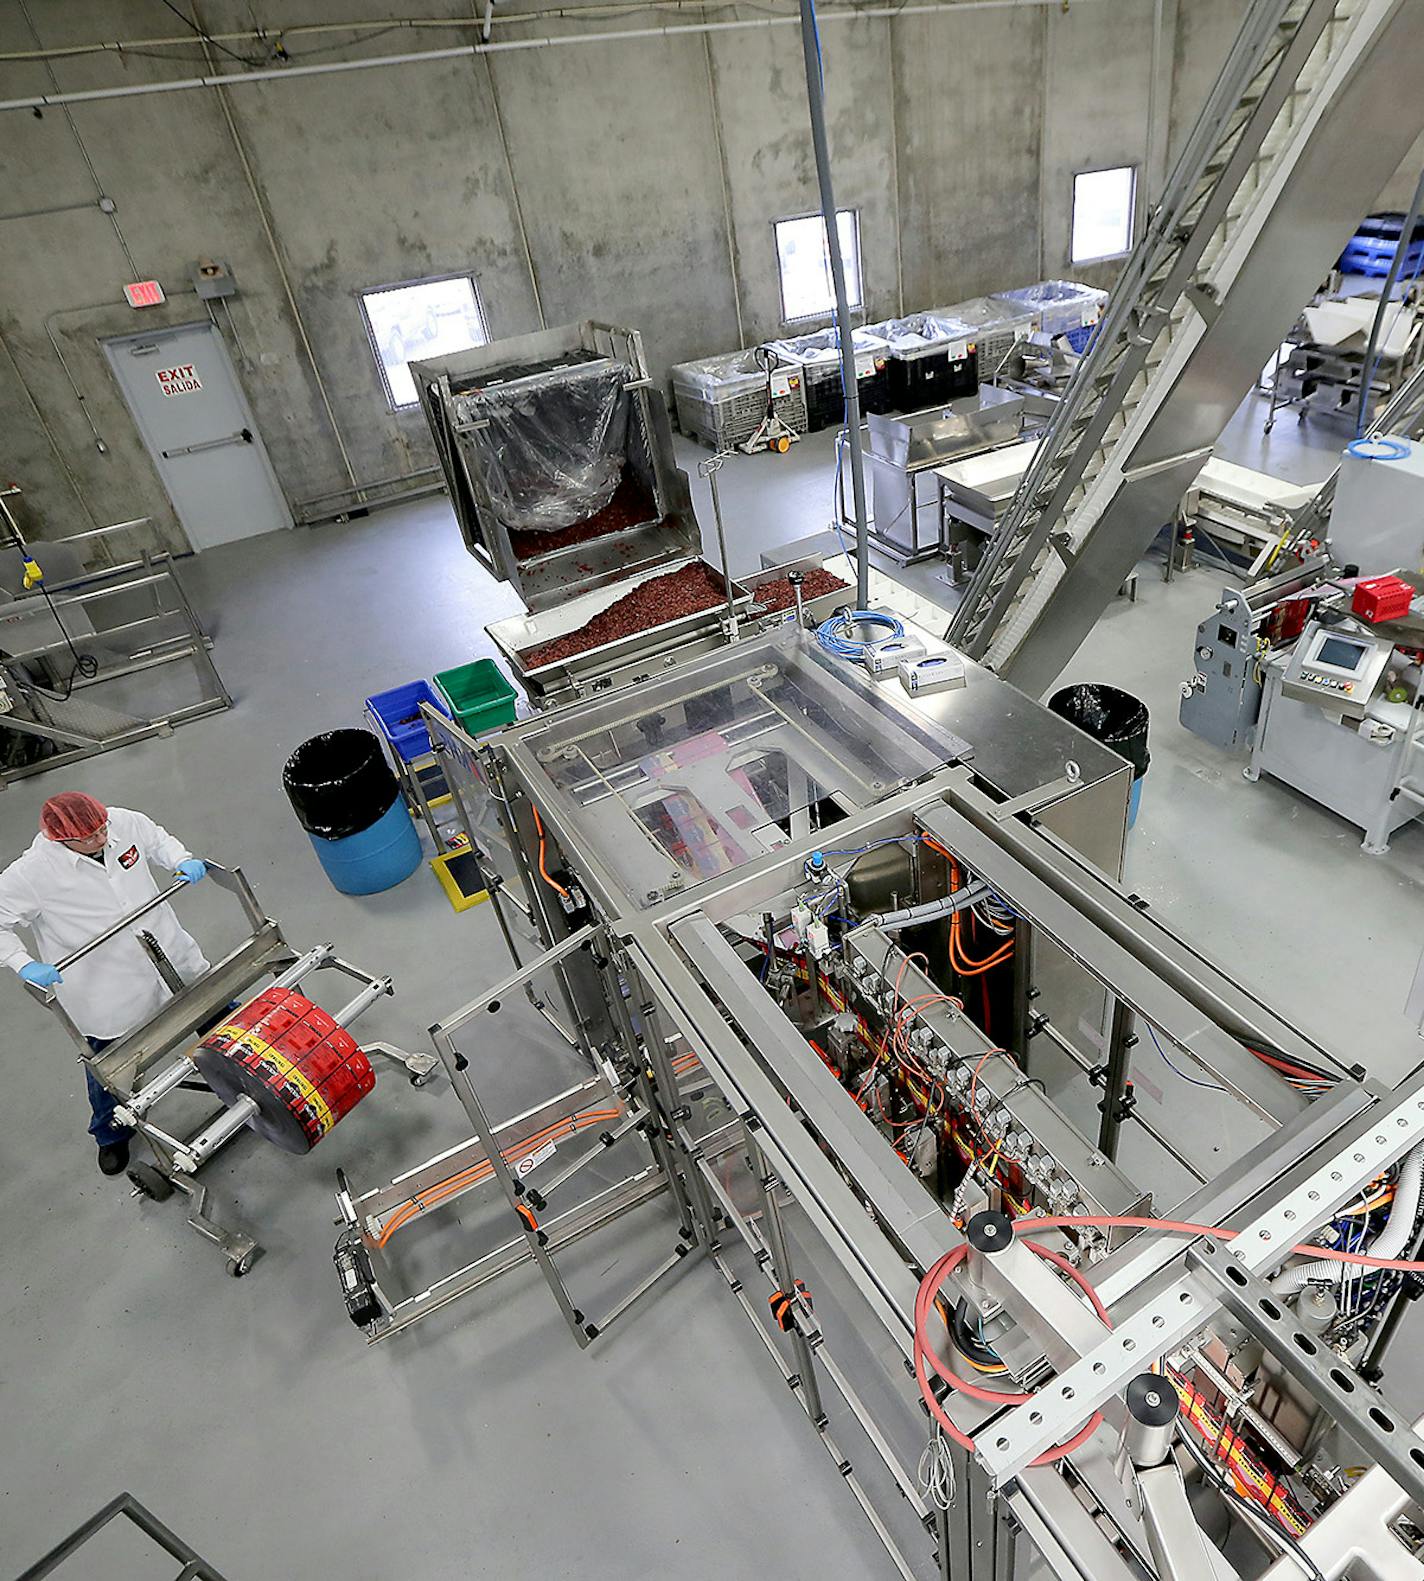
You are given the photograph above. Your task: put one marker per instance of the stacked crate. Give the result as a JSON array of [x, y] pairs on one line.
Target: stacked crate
[[1372, 248], [998, 329], [818, 356], [931, 360], [722, 400], [1061, 307]]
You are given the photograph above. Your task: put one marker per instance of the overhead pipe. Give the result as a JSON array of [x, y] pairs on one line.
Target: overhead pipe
[[134, 90], [261, 35], [845, 330], [1367, 372]]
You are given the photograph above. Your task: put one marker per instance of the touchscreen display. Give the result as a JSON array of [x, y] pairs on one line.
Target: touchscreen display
[[1342, 654]]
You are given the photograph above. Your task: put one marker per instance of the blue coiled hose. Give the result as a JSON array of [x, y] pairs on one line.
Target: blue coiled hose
[[833, 634], [1378, 449]]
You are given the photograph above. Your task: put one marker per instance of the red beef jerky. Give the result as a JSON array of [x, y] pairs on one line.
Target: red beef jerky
[[631, 504], [651, 603], [773, 596]]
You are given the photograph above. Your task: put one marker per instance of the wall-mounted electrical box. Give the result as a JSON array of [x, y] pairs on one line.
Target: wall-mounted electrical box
[[212, 278]]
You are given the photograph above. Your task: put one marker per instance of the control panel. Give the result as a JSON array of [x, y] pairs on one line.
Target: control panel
[[1338, 667]]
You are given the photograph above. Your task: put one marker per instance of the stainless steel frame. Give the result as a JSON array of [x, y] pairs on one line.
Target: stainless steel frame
[[195, 1567], [1237, 244], [545, 580], [46, 695], [757, 1157], [636, 659]]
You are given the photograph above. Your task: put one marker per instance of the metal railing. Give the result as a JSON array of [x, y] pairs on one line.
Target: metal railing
[[195, 1567]]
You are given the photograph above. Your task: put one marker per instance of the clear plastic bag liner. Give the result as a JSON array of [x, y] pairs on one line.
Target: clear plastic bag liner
[[732, 371], [1062, 305], [1053, 291], [922, 330], [552, 448], [986, 315], [824, 345]]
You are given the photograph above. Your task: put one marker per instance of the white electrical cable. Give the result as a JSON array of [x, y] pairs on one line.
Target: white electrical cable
[[936, 1472], [1389, 1243]]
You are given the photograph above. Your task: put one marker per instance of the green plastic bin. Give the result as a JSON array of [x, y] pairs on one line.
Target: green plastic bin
[[479, 695]]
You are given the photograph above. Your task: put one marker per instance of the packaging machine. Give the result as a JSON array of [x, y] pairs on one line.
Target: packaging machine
[[1074, 1249], [1009, 1176]]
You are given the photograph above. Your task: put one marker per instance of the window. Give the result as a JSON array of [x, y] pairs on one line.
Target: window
[[425, 318], [1103, 202], [803, 256]]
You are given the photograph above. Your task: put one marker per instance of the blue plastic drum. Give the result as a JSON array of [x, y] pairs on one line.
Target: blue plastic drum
[[349, 802], [378, 858]]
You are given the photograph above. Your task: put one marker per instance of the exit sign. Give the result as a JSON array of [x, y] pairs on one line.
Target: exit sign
[[144, 293]]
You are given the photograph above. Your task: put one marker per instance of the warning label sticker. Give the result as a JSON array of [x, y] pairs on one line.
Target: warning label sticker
[[527, 1166], [179, 381]]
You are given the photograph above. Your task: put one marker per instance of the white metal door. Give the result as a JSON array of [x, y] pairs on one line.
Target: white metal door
[[195, 421]]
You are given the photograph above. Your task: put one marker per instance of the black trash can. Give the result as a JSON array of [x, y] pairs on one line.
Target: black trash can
[[349, 802], [1117, 719]]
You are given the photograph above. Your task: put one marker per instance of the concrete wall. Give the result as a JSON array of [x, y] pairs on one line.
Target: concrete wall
[[633, 180]]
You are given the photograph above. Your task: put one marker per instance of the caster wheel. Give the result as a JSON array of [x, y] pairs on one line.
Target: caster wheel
[[782, 445], [238, 1266], [1269, 426], [418, 1080], [148, 1182]]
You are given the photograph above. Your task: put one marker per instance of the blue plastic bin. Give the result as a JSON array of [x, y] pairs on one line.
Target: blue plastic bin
[[378, 858], [397, 716]]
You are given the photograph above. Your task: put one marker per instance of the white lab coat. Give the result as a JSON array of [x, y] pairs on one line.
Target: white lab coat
[[65, 899]]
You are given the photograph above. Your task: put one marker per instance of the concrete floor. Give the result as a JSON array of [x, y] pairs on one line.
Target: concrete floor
[[248, 1414]]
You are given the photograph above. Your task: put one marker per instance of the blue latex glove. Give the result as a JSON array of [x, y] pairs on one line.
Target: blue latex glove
[[40, 974], [192, 870]]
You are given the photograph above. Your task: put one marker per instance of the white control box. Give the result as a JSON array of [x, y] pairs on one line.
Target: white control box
[[880, 658], [939, 672]]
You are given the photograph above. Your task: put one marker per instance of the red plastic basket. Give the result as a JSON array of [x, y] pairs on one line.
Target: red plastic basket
[[1382, 598]]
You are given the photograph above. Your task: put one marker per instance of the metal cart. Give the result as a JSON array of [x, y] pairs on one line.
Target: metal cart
[[151, 1062], [93, 660], [900, 451]]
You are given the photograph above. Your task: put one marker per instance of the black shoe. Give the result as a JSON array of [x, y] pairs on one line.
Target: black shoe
[[114, 1159]]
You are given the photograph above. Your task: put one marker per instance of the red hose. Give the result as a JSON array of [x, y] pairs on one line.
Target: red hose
[[929, 1289]]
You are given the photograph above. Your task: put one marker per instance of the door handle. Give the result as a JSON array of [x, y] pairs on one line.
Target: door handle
[[242, 437]]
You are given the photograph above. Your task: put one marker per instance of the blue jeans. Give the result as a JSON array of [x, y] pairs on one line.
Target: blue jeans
[[102, 1104]]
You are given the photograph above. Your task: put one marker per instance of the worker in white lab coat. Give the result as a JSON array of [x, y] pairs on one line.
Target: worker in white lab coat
[[87, 868]]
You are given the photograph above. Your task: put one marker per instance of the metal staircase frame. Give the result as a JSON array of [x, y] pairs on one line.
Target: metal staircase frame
[[1358, 122]]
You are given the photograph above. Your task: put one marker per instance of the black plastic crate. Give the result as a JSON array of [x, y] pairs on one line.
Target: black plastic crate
[[818, 357], [930, 380], [929, 360], [825, 398]]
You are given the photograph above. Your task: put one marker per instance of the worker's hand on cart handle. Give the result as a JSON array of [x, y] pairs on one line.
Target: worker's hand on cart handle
[[41, 974], [192, 870]]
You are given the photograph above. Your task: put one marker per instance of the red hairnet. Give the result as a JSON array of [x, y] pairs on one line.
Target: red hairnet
[[72, 815]]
